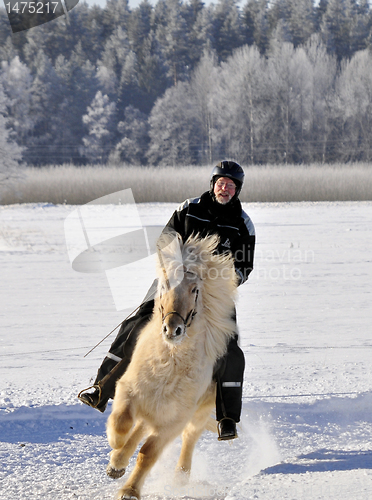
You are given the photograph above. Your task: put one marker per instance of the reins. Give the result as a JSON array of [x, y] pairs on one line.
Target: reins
[[112, 331]]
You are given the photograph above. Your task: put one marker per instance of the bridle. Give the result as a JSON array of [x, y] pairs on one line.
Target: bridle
[[190, 316]]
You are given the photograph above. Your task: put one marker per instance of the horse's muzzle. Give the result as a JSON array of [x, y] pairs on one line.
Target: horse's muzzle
[[173, 333]]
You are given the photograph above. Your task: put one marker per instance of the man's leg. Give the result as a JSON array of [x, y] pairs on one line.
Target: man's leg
[[118, 358], [229, 390], [123, 346]]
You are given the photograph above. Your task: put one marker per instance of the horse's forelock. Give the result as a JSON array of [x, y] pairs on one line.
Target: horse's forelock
[[199, 255]]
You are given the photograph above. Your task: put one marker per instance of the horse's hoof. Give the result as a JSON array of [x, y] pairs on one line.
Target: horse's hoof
[[181, 476], [114, 473], [129, 494]]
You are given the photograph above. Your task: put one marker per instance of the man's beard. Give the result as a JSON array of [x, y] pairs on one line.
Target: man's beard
[[223, 200]]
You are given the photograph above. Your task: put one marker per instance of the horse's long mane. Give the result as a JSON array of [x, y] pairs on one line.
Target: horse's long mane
[[218, 288]]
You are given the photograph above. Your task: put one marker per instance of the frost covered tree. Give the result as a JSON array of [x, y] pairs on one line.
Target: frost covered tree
[[301, 20], [354, 108], [134, 132], [227, 28], [172, 35], [118, 71], [99, 122], [242, 104], [256, 24], [182, 122], [294, 20], [174, 128], [77, 79], [290, 76], [199, 28], [321, 93], [336, 27], [116, 14], [150, 69], [10, 152], [265, 110], [202, 87], [16, 79], [45, 96]]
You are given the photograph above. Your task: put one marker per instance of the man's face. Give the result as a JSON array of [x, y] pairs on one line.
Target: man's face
[[224, 189]]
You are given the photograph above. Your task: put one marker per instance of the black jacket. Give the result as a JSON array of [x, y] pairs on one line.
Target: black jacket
[[205, 215]]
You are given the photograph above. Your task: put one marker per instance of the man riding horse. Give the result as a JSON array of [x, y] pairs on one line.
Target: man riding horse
[[217, 211]]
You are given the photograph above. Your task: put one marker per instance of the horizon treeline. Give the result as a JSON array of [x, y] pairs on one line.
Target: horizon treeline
[[285, 81]]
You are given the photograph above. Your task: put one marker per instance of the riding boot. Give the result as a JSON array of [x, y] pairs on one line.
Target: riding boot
[[229, 377], [118, 358]]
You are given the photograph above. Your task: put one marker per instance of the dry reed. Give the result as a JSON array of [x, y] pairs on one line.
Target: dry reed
[[78, 185]]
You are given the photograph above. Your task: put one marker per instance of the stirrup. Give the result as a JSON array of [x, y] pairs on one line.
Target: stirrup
[[226, 434], [96, 387]]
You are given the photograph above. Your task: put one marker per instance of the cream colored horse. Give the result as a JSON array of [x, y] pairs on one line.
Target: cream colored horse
[[168, 388]]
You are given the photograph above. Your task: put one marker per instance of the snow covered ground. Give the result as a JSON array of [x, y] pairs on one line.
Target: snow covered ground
[[305, 325]]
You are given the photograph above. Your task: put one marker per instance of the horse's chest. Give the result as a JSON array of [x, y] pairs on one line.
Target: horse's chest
[[172, 387]]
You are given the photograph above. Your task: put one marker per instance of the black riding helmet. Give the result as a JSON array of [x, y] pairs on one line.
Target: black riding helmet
[[229, 169]]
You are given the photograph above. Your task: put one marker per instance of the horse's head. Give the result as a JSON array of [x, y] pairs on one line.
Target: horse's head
[[178, 288], [178, 306], [193, 278]]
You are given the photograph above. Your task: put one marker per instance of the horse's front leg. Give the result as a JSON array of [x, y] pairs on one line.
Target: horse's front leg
[[147, 456], [119, 457], [119, 425], [201, 421]]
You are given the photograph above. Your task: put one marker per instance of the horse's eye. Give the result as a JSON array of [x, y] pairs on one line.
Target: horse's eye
[[194, 289]]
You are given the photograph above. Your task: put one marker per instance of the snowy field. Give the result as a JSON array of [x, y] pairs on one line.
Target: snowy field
[[305, 325]]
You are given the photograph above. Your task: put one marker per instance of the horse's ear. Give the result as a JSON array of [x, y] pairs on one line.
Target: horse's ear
[[169, 246], [169, 251]]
